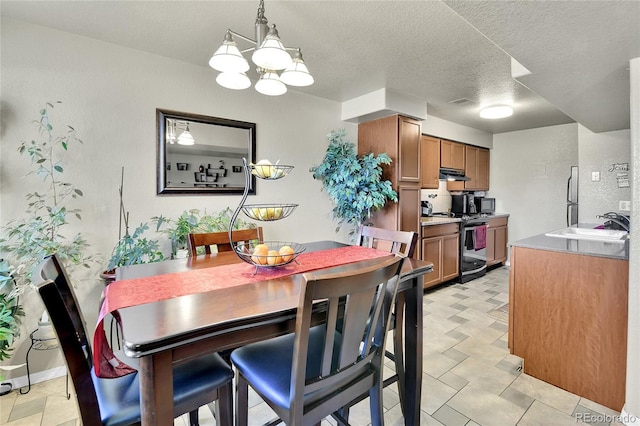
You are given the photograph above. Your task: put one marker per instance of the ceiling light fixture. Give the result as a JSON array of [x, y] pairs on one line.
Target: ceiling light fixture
[[269, 55], [496, 111]]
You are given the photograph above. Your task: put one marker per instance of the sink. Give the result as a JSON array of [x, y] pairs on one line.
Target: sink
[[604, 235]]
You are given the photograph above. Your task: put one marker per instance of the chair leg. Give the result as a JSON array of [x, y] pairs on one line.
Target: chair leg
[[398, 347], [193, 418], [225, 405], [242, 400], [375, 403]]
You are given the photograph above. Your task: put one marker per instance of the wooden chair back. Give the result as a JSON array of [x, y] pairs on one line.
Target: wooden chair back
[[402, 242], [68, 322], [221, 239], [357, 317]]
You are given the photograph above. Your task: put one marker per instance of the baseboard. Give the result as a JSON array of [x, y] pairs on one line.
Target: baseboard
[[40, 376]]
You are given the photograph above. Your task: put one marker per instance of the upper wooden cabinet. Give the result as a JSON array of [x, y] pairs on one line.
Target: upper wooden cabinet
[[452, 155], [476, 168], [400, 138], [430, 153]]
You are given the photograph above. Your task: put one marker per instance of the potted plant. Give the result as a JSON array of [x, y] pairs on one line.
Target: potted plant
[[11, 314], [191, 221], [353, 183], [131, 249], [28, 240]]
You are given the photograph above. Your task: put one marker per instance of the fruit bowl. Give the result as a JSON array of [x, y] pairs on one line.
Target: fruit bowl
[[270, 171], [268, 212], [276, 253]]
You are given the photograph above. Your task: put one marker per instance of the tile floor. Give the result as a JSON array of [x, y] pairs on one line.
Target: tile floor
[[469, 376]]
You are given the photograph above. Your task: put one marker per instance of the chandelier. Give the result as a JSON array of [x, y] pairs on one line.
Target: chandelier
[[269, 55], [174, 127]]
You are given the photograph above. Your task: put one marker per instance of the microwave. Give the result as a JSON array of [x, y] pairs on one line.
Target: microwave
[[485, 205]]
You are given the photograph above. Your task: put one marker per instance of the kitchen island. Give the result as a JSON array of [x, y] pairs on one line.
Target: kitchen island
[[568, 314]]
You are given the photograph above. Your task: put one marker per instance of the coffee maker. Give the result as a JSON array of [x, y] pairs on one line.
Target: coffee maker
[[463, 204]]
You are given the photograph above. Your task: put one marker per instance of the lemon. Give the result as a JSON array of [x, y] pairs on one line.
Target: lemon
[[287, 253]]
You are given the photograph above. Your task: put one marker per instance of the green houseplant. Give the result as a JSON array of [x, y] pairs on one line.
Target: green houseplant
[[354, 183], [26, 241], [192, 221], [11, 312]]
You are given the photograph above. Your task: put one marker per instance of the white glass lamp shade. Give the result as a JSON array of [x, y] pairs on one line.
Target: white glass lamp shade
[[271, 54], [497, 111], [185, 138], [228, 58], [297, 73], [233, 80], [270, 84]]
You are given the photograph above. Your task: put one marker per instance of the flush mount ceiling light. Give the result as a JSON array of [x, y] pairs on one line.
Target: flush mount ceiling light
[[497, 111], [269, 55]]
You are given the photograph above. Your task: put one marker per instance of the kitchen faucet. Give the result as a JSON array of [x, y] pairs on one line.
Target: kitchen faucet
[[617, 219]]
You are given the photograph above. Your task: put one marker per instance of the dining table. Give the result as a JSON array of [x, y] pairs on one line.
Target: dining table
[[164, 332]]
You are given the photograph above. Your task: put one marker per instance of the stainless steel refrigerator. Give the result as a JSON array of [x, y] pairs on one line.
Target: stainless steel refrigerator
[[572, 197]]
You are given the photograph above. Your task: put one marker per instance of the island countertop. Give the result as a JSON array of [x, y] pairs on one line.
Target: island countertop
[[581, 247]]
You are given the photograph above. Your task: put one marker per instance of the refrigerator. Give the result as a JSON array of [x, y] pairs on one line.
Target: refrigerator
[[572, 197]]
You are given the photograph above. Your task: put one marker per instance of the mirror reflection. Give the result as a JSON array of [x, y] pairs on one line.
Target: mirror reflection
[[203, 155]]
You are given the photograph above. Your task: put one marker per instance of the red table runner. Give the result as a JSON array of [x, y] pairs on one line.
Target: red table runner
[[138, 291]]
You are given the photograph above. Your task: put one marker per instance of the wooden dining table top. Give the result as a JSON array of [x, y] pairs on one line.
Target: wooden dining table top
[[167, 323]]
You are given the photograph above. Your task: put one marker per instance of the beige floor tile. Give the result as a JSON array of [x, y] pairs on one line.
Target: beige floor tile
[[481, 350], [436, 364], [492, 379], [597, 407], [59, 409], [485, 408], [557, 398], [434, 394], [540, 414]]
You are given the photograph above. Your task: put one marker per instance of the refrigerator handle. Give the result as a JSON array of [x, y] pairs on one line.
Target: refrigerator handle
[[569, 192], [568, 213]]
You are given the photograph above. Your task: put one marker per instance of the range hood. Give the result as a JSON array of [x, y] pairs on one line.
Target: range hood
[[452, 174]]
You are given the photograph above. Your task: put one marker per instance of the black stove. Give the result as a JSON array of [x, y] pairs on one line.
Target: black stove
[[473, 218], [473, 252]]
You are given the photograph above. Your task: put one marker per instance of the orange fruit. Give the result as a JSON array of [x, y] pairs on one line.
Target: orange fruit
[[260, 253], [273, 257], [287, 253]]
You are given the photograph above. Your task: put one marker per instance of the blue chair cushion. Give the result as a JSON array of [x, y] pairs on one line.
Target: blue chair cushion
[[119, 398], [267, 365]]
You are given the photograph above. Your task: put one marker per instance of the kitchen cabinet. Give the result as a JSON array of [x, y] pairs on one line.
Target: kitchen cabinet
[[430, 162], [476, 168], [452, 155], [497, 240], [441, 246], [400, 138], [568, 321]]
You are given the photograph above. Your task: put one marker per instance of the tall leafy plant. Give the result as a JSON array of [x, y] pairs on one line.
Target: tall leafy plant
[[354, 183], [41, 232]]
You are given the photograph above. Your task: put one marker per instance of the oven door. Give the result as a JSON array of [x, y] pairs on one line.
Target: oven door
[[473, 252]]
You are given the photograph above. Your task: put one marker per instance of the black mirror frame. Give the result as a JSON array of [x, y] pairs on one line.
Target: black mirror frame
[[161, 153]]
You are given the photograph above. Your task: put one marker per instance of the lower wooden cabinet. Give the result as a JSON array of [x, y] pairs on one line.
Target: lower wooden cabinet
[[440, 246], [497, 241]]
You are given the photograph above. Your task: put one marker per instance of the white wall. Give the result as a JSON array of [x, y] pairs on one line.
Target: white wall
[[597, 153], [529, 172], [440, 128], [110, 95]]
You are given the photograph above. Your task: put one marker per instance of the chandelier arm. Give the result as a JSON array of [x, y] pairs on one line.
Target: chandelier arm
[[242, 37]]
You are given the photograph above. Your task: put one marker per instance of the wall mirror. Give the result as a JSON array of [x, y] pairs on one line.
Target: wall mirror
[[198, 154]]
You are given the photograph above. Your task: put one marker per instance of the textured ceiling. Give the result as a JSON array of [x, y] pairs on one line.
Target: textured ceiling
[[439, 52]]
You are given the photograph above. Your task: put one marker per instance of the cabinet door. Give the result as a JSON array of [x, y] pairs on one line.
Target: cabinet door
[[491, 244], [409, 149], [501, 244], [483, 169], [409, 210], [432, 252], [430, 162], [471, 167], [450, 256], [451, 155]]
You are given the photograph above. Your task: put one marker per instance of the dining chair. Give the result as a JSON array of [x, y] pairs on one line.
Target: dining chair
[[334, 357], [116, 401], [221, 239], [403, 242]]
